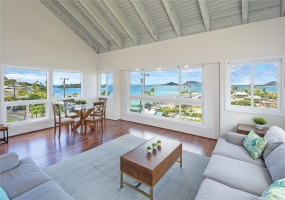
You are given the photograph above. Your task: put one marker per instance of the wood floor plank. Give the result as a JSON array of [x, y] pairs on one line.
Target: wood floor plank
[[46, 150]]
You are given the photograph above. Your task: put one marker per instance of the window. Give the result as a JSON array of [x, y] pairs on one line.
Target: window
[[25, 94], [255, 85], [173, 94], [66, 84], [106, 87]]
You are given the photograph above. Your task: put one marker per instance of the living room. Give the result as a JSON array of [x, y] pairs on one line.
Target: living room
[[33, 37]]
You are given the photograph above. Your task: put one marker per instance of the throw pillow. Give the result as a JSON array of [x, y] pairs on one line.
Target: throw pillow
[[275, 163], [275, 136], [3, 195], [275, 191], [254, 144]]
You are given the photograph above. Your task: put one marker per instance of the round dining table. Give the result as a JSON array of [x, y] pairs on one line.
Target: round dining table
[[83, 111]]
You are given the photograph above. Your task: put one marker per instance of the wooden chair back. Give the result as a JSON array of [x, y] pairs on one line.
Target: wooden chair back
[[56, 113], [98, 110], [68, 104]]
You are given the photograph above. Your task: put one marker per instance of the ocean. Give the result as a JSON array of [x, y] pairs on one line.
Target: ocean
[[159, 90], [58, 92]]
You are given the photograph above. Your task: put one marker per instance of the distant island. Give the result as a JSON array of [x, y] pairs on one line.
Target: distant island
[[192, 83], [271, 83], [78, 85], [171, 84]]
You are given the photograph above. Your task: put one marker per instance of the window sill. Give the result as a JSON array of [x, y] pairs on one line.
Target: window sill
[[27, 122], [189, 123], [251, 111]]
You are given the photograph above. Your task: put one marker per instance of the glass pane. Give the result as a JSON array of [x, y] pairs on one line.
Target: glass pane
[[16, 113], [162, 83], [136, 80], [37, 110], [240, 85], [191, 83], [136, 106], [170, 110], [24, 84], [66, 84], [110, 84], [103, 84], [265, 85], [191, 113]]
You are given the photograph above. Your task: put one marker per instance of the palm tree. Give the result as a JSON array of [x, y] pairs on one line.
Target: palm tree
[[152, 90]]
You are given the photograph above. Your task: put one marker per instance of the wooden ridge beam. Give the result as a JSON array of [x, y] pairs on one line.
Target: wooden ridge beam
[[282, 8], [244, 11], [68, 5], [94, 12], [173, 17], [72, 25], [139, 7], [205, 14], [119, 15]]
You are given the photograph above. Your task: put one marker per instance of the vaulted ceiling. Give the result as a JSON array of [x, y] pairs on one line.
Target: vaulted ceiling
[[107, 25]]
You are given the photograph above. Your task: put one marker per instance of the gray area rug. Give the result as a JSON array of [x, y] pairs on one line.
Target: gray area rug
[[95, 174]]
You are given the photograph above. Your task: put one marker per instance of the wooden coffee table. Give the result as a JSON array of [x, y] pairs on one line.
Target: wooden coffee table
[[149, 168]]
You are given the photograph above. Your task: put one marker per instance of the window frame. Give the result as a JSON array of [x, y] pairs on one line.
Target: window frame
[[279, 111], [67, 71], [99, 84], [177, 100], [26, 103]]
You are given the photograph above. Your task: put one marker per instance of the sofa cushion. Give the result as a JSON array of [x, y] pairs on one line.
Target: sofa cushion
[[275, 136], [275, 163], [22, 178], [48, 190], [238, 174], [275, 191], [8, 161], [235, 138], [3, 195], [237, 152], [212, 190], [254, 144]]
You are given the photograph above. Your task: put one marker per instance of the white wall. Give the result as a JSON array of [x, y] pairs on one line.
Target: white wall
[[31, 36], [263, 38]]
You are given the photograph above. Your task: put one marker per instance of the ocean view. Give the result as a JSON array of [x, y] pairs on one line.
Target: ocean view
[[58, 92]]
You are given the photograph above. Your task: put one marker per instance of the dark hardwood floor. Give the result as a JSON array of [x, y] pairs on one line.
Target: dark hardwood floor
[[46, 150]]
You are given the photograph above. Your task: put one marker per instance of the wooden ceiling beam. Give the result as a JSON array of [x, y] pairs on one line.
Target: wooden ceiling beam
[[94, 12], [139, 7], [68, 5], [205, 14], [119, 15], [71, 24], [283, 8], [173, 17], [244, 11]]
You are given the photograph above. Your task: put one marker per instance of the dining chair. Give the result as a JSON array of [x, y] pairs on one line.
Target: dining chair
[[68, 108], [59, 121], [97, 116], [102, 99]]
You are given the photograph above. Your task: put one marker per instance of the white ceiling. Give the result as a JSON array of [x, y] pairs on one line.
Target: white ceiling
[[107, 25]]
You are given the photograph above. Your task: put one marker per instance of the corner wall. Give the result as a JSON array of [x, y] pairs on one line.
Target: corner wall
[[32, 36], [264, 38]]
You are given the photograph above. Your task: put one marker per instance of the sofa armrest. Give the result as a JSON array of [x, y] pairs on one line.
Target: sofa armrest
[[235, 138], [8, 161]]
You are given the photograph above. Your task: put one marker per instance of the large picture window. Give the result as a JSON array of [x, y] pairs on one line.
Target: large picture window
[[106, 87], [25, 94], [66, 84], [254, 85], [173, 94]]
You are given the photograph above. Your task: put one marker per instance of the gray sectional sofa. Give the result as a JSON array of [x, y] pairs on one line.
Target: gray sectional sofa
[[23, 179], [233, 174]]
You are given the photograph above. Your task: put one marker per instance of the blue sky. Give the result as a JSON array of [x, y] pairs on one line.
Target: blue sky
[[163, 77], [31, 76], [263, 73]]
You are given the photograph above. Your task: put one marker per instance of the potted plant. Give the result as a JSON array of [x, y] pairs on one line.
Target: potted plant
[[159, 143], [259, 122], [154, 145], [149, 149]]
